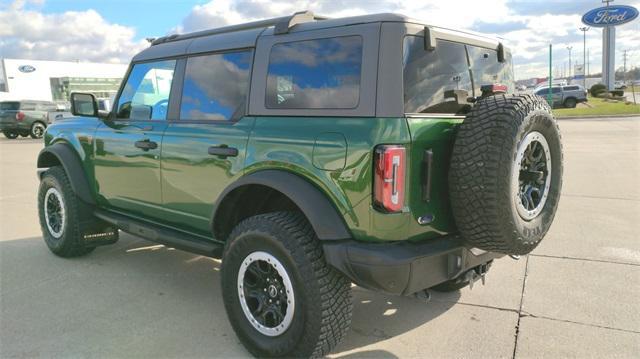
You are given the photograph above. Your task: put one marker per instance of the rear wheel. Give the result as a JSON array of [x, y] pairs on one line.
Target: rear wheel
[[10, 134], [37, 130], [506, 173], [281, 297]]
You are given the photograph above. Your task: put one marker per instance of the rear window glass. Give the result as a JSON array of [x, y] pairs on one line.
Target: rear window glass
[[487, 70], [28, 106], [216, 86], [428, 74], [315, 74], [9, 106]]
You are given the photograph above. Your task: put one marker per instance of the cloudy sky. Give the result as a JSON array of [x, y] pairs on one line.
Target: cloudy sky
[[114, 30]]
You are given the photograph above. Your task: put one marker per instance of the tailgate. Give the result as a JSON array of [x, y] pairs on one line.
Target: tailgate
[[8, 117], [432, 141]]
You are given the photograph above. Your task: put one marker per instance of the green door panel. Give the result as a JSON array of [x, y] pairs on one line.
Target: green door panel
[[192, 179], [128, 177]]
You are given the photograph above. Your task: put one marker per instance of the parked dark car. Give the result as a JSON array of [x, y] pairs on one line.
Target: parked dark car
[[25, 118]]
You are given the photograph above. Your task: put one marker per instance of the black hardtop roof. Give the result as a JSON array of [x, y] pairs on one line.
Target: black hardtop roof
[[246, 35]]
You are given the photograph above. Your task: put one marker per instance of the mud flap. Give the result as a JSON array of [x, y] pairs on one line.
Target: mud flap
[[100, 234]]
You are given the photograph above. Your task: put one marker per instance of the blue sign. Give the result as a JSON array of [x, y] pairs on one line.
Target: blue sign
[[26, 68], [610, 16]]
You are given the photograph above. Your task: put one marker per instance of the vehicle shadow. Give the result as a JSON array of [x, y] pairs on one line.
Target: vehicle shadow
[[136, 298]]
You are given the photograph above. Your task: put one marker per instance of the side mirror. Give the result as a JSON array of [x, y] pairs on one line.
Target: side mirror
[[84, 104]]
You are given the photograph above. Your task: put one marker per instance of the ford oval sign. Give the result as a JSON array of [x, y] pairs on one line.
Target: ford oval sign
[[26, 68], [610, 16]]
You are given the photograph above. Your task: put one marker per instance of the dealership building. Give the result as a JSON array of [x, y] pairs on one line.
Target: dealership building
[[56, 80]]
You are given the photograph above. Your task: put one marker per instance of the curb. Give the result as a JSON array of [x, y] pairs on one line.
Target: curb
[[596, 116]]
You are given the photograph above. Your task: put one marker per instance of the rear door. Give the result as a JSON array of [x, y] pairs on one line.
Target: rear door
[[127, 146], [204, 150]]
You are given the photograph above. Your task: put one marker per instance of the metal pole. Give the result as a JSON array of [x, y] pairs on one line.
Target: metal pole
[[549, 97], [584, 55], [569, 48]]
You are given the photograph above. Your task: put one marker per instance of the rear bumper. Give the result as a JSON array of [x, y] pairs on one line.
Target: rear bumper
[[404, 267], [13, 126]]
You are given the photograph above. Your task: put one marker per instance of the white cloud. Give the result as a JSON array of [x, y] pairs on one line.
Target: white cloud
[[526, 26], [529, 36], [72, 35]]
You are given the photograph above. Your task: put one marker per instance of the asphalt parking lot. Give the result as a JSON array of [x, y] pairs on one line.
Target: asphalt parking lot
[[575, 296]]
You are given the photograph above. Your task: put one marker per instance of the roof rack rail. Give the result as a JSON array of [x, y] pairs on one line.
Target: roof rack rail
[[282, 26]]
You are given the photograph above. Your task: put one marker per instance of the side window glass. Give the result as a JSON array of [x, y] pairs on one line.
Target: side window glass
[[315, 74], [216, 86], [542, 92], [555, 90], [145, 95], [428, 74]]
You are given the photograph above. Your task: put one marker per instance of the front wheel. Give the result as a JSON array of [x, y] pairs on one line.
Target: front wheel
[[37, 130], [68, 226], [281, 297], [570, 103]]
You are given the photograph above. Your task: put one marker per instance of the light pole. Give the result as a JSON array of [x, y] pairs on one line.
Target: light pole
[[584, 55], [569, 48]]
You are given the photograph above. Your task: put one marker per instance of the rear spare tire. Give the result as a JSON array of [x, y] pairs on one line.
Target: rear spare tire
[[506, 173]]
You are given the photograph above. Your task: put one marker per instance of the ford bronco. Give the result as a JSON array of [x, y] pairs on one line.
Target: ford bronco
[[309, 154]]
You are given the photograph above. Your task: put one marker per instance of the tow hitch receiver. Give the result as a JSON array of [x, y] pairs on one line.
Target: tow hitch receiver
[[479, 272]]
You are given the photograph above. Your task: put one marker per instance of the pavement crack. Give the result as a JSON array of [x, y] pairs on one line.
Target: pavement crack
[[524, 282], [601, 197], [529, 315], [489, 307], [585, 259]]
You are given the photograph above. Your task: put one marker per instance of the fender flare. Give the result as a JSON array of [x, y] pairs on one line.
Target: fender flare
[[72, 165], [325, 219]]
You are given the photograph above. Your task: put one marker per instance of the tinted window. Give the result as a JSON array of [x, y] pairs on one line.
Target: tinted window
[[44, 106], [487, 70], [571, 88], [545, 90], [28, 106], [9, 106], [216, 86], [146, 93], [323, 73], [428, 74]]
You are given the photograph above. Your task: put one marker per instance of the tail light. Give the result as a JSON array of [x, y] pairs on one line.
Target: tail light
[[20, 116], [388, 183], [494, 89]]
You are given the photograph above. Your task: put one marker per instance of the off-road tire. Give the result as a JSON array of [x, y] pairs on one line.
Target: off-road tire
[[12, 135], [323, 304], [480, 177], [78, 216], [33, 132], [570, 102]]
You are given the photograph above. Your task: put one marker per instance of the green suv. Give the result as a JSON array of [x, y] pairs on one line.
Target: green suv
[[309, 154], [25, 118]]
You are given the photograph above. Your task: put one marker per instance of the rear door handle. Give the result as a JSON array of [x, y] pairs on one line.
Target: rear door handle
[[146, 145], [223, 150]]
